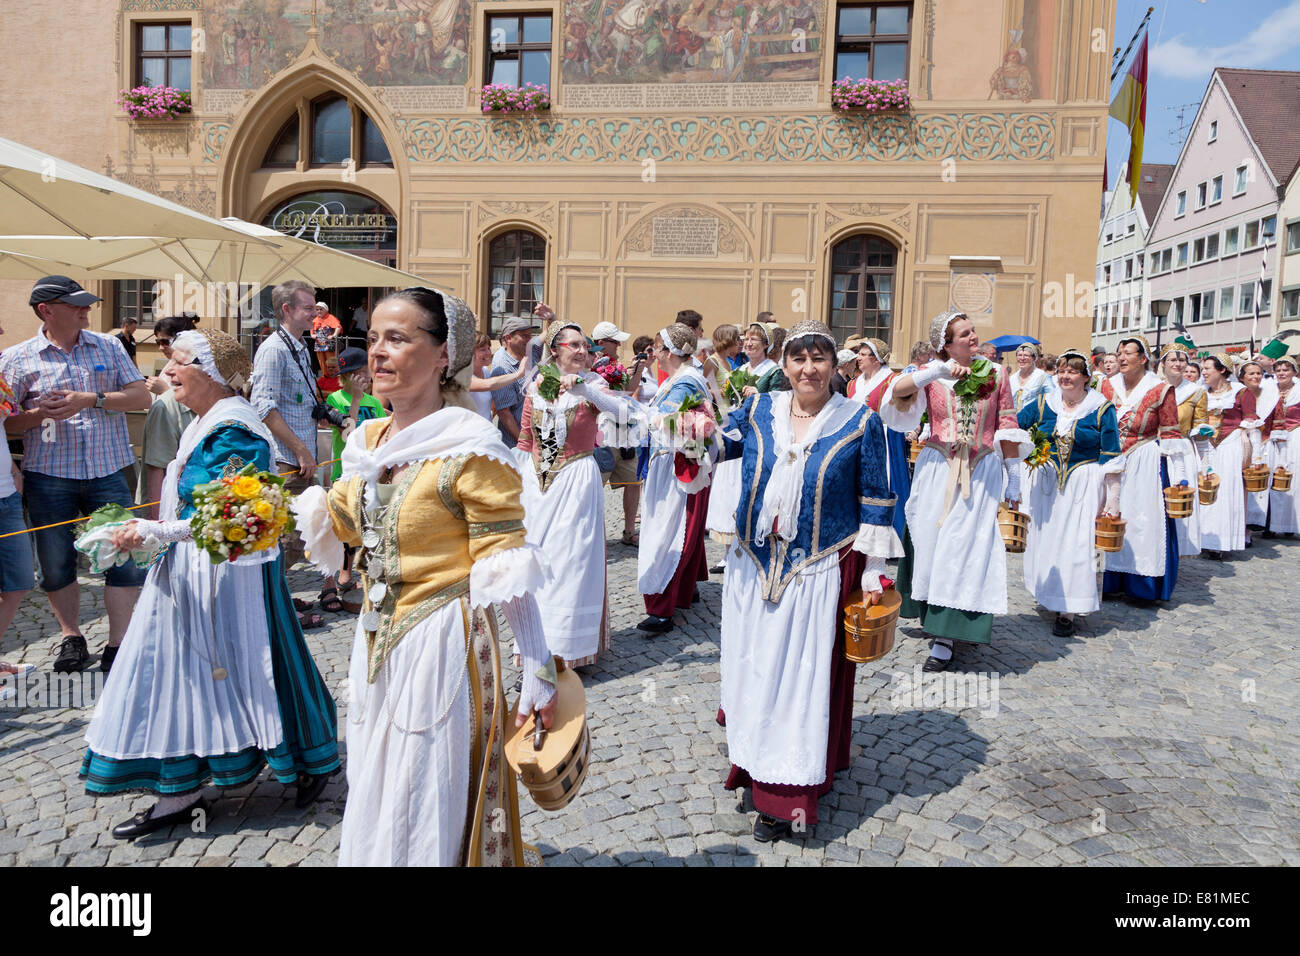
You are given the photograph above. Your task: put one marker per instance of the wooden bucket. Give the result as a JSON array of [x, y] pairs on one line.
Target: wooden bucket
[[1255, 478], [914, 451], [1208, 489], [1110, 533], [1282, 479], [1178, 502], [869, 628], [1014, 526], [553, 763]]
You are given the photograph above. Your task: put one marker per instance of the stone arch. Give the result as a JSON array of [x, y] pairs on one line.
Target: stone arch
[[734, 238]]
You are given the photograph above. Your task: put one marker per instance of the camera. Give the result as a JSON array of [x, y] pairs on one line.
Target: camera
[[642, 356], [322, 412]]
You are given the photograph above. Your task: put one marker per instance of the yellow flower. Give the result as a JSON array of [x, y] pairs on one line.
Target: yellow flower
[[245, 487], [263, 543], [263, 509], [236, 533]]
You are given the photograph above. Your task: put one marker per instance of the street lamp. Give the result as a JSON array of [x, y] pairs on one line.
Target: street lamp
[[1159, 311]]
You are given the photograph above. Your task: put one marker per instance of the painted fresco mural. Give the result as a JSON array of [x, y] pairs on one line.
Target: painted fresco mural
[[692, 41], [386, 42], [1025, 71]]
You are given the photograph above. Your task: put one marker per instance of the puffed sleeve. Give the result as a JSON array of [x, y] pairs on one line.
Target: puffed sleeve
[[876, 535], [504, 565], [1201, 416], [903, 414], [1108, 424], [1009, 428], [1031, 416]]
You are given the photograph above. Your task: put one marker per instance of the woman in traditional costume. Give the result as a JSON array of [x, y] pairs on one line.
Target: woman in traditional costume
[[1283, 516], [675, 501], [1067, 492], [874, 376], [1028, 382], [564, 497], [1223, 524], [214, 678], [433, 498], [1263, 392], [1193, 423], [1154, 454], [812, 528], [953, 575]]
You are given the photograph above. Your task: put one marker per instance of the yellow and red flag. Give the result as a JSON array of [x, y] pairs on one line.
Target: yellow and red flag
[[1130, 108]]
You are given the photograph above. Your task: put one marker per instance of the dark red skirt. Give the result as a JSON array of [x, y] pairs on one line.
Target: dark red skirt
[[692, 568], [786, 801]]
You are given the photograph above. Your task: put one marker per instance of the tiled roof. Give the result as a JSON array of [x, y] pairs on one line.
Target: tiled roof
[[1155, 180], [1269, 104]]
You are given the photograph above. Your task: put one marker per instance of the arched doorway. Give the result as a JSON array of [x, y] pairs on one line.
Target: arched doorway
[[516, 276], [863, 275]]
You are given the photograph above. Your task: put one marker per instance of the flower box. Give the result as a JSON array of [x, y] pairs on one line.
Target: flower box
[[870, 96], [502, 98], [155, 102]]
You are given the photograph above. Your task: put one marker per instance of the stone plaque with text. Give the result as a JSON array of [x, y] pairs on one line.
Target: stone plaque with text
[[680, 237]]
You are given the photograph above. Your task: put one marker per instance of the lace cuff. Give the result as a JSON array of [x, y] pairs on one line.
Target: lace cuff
[[1115, 466], [1024, 444], [312, 516], [535, 659], [1175, 447], [506, 575], [164, 532], [878, 541]]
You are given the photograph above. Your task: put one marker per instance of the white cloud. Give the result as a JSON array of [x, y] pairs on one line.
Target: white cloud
[[1274, 38]]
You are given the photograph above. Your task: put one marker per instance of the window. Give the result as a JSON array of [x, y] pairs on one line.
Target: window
[[871, 41], [1200, 195], [1166, 260], [1176, 312], [162, 55], [1246, 299], [284, 148], [1214, 130], [1130, 230], [862, 287], [1252, 235], [133, 298], [1225, 302], [374, 151], [1182, 254], [1293, 237], [339, 131], [1239, 181], [1110, 237], [1230, 240], [1291, 304], [1198, 251], [1216, 189], [519, 49], [1265, 296], [1155, 263], [1194, 304], [1105, 270], [1268, 228], [1128, 268], [331, 132], [1212, 246], [516, 276], [1207, 306], [1182, 203]]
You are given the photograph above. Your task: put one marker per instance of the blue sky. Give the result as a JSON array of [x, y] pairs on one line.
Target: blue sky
[[1187, 40]]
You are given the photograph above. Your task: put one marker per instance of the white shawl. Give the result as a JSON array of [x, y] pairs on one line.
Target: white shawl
[[784, 491]]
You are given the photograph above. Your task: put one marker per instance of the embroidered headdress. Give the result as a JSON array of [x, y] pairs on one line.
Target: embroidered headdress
[[939, 327], [678, 339], [808, 328], [219, 355], [878, 348], [550, 335]]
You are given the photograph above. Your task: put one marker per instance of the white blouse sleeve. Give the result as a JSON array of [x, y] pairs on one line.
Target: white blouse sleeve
[[904, 414]]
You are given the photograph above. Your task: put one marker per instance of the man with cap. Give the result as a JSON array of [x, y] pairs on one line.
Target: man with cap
[[72, 386], [515, 335]]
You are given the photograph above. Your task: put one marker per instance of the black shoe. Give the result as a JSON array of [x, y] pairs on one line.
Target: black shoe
[[107, 656], [768, 829], [695, 598], [1213, 555], [656, 625], [718, 569], [310, 786], [1112, 595], [1063, 626], [73, 654], [142, 823], [933, 664]]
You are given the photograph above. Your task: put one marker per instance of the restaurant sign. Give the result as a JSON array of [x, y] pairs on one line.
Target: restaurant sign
[[336, 219]]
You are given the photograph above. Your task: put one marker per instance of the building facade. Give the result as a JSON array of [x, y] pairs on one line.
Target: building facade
[[690, 158], [1120, 301]]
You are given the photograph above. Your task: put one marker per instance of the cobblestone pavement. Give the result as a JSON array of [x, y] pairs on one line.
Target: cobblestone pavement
[[1155, 737]]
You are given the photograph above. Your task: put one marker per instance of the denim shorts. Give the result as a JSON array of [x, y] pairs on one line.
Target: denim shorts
[[50, 500], [16, 569]]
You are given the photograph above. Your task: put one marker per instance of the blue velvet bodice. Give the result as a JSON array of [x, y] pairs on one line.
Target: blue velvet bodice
[[1094, 437], [225, 449]]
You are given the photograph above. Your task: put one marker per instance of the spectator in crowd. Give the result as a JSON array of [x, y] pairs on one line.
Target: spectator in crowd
[[127, 335], [326, 330], [1098, 353], [990, 352], [163, 425], [515, 335], [695, 322], [286, 398], [1110, 364], [360, 321], [72, 386], [920, 356], [17, 573], [328, 381]]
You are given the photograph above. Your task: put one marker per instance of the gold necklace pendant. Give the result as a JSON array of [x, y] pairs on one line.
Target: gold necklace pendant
[[219, 673]]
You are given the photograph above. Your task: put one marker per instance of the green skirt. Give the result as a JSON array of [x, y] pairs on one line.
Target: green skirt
[[939, 621]]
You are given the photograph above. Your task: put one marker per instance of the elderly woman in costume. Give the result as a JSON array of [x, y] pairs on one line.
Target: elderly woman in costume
[[874, 378], [214, 679], [1153, 454], [724, 490], [1067, 492], [675, 501], [813, 526], [1193, 423], [564, 498], [432, 497], [1283, 517], [953, 575]]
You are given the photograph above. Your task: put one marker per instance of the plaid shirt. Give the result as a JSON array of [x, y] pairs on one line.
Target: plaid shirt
[[92, 443], [282, 382]]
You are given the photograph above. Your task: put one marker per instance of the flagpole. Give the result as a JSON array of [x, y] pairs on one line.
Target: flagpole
[[1121, 59]]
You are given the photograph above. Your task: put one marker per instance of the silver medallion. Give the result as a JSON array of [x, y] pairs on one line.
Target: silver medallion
[[375, 568], [377, 592], [370, 539], [370, 621], [218, 673]]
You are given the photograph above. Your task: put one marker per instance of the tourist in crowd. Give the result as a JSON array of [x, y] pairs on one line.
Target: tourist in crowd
[[163, 426], [674, 506], [326, 331], [434, 499], [127, 335], [215, 679], [71, 386], [989, 351], [815, 477], [515, 335], [1110, 364], [1153, 455], [953, 575], [17, 572], [1065, 494], [920, 355], [328, 381]]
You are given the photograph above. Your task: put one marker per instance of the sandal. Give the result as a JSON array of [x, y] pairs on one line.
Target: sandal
[[631, 538], [329, 601], [351, 585], [310, 621], [300, 605]]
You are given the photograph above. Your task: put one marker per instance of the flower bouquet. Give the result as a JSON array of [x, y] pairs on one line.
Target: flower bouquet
[[737, 382], [1042, 452], [615, 374], [95, 541], [691, 429], [548, 382], [248, 511], [979, 383], [155, 102]]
